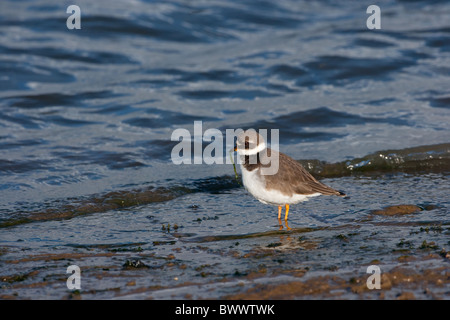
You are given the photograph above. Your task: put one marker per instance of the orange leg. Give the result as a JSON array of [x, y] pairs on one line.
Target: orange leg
[[279, 217], [287, 212]]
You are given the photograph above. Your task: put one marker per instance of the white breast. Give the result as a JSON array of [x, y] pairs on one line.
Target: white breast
[[255, 184]]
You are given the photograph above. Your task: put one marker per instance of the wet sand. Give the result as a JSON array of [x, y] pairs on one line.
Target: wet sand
[[417, 276], [302, 263]]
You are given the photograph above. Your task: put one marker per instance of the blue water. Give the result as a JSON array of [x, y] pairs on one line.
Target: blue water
[[90, 112]]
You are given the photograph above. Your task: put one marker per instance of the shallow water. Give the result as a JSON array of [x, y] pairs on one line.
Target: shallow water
[[86, 118]]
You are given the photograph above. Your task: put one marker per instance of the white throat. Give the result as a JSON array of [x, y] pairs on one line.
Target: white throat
[[253, 151]]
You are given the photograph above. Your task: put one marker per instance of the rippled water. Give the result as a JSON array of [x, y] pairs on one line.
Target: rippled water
[[86, 118]]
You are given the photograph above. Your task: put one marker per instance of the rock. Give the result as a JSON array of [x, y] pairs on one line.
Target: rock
[[398, 210]]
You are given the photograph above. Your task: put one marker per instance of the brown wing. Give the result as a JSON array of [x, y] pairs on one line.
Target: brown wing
[[293, 178]]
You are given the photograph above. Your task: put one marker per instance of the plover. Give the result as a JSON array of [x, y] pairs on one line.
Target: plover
[[290, 184]]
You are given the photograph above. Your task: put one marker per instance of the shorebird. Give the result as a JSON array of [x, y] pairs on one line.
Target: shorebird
[[290, 184]]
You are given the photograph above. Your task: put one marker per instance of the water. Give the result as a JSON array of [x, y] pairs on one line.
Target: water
[[86, 118]]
